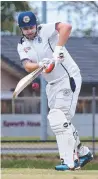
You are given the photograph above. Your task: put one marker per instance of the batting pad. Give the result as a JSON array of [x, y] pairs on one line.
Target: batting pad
[[64, 136]]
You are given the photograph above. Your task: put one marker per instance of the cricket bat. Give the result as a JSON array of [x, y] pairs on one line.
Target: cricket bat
[[24, 82]]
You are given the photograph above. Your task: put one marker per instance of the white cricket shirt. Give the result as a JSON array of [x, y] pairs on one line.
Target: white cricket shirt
[[37, 49]]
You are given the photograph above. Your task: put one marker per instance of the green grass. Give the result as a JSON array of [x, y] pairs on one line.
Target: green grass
[[38, 138], [38, 162], [27, 164], [19, 138], [41, 164]]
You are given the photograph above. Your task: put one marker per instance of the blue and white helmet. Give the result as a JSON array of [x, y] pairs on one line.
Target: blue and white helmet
[[27, 19]]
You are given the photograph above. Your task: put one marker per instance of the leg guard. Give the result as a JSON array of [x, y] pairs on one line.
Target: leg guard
[[82, 150], [64, 136], [84, 154], [76, 136]]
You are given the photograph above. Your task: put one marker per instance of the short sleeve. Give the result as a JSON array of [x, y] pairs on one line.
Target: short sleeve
[[49, 30], [21, 52]]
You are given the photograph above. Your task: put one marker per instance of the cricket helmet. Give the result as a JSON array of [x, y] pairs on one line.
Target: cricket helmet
[[27, 19]]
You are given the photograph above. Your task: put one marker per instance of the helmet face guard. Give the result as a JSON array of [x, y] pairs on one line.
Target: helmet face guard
[[27, 19]]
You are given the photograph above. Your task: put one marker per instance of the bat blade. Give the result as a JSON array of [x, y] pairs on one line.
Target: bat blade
[[24, 82]]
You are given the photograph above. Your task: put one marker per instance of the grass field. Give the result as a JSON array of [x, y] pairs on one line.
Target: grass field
[[38, 138], [27, 173]]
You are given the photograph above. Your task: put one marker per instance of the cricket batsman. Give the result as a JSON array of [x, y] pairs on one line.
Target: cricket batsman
[[44, 46]]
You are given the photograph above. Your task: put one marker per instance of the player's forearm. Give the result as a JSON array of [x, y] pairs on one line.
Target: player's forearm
[[29, 66], [64, 33]]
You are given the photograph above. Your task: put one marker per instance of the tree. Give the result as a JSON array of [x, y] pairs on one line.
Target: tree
[[8, 9], [78, 5], [84, 10]]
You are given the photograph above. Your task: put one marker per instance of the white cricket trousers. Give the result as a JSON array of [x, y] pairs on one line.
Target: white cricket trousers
[[60, 96]]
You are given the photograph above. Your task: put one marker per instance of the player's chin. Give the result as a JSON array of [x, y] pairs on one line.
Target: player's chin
[[30, 37]]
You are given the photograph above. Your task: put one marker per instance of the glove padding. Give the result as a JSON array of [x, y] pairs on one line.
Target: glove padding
[[58, 54], [47, 64]]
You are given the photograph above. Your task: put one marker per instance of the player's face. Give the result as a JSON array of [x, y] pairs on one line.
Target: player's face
[[29, 32]]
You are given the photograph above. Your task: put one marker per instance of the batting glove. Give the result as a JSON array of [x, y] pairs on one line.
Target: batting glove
[[58, 54], [47, 64]]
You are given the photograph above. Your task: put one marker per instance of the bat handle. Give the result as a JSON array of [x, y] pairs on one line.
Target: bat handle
[[14, 95]]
